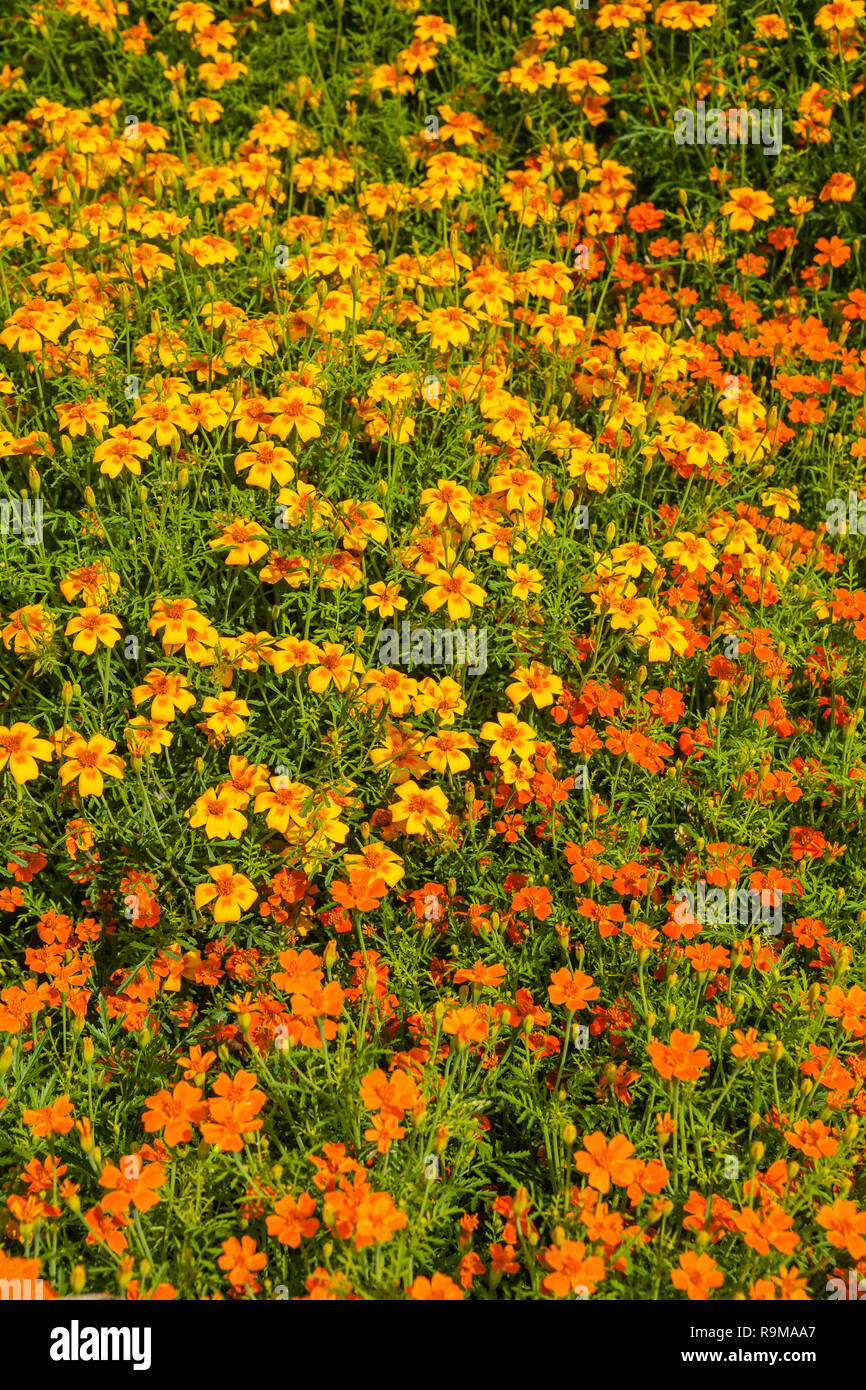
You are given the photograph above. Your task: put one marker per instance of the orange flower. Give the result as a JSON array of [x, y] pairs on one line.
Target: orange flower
[[51, 1119], [697, 1275], [175, 1112], [573, 989], [364, 891], [131, 1183], [467, 1025], [678, 1060], [605, 1162], [438, 1289], [377, 1219], [573, 1270], [770, 1227], [241, 1261], [845, 1227], [293, 1219]]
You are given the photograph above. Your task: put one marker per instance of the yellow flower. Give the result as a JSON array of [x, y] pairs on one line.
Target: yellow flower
[[147, 736], [227, 713], [664, 635], [90, 626], [633, 557], [457, 590], [690, 551], [20, 746], [525, 580], [87, 761], [217, 810], [538, 681], [245, 541], [745, 205], [378, 860], [448, 327], [266, 462], [168, 692], [418, 809], [447, 497], [385, 600], [509, 735], [445, 751], [230, 893]]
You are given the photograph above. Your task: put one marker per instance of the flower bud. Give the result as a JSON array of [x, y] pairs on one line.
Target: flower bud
[[520, 1204]]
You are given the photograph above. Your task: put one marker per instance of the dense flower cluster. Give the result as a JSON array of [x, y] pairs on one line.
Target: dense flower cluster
[[431, 659]]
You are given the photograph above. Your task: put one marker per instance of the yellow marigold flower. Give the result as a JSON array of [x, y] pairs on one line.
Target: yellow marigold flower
[[266, 463], [418, 809], [122, 449], [841, 15], [227, 713], [90, 626], [447, 497], [145, 737], [93, 582], [632, 558], [445, 751], [448, 326], [538, 681], [20, 746], [385, 600], [217, 810], [458, 590], [283, 802], [296, 409], [87, 760], [231, 893], [509, 735], [245, 541], [690, 551], [378, 860], [28, 628], [745, 206], [664, 635], [169, 693], [525, 580], [335, 664]]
